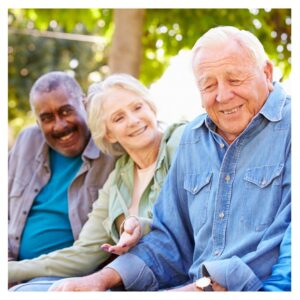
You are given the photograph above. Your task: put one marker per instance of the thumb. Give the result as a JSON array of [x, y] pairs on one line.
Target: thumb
[[130, 225]]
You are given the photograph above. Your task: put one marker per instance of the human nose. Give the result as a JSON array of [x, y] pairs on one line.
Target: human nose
[[60, 124], [133, 120], [224, 92]]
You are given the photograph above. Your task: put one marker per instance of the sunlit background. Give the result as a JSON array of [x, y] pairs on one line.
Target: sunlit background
[[83, 43]]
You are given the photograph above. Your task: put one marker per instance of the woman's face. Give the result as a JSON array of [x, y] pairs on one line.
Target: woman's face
[[129, 120]]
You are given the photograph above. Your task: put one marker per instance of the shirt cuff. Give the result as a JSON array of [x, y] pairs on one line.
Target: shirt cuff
[[135, 274], [233, 274]]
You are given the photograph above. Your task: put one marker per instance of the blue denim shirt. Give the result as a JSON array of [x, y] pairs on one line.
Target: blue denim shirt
[[225, 207]]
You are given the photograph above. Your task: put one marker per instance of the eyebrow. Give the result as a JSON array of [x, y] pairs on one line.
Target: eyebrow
[[45, 114], [203, 80], [67, 106], [138, 101]]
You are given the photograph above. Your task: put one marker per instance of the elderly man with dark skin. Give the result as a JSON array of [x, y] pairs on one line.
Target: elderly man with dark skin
[[54, 171], [225, 205]]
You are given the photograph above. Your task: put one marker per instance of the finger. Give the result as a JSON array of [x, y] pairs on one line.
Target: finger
[[113, 249], [130, 224], [105, 247], [127, 240], [121, 250], [218, 288]]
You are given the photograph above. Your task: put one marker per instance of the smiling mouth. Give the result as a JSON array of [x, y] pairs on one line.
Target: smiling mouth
[[138, 132], [67, 137], [231, 111]]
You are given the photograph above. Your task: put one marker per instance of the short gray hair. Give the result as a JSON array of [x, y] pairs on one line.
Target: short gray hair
[[96, 120], [244, 38], [52, 81]]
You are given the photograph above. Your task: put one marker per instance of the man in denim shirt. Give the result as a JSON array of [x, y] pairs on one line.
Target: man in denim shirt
[[225, 205]]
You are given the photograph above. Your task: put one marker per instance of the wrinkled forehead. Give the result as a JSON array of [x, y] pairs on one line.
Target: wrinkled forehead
[[56, 98], [220, 55]]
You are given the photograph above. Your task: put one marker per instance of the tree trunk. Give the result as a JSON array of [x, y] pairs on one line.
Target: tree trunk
[[126, 51]]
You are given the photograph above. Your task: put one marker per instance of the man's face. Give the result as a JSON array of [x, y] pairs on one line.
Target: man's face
[[232, 86], [62, 120]]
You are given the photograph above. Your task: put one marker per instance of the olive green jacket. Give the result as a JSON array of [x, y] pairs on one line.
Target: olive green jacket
[[114, 199]]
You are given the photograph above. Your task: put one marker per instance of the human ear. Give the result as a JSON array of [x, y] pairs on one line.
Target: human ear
[[268, 71]]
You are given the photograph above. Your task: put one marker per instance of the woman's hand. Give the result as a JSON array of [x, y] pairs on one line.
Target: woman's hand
[[128, 239]]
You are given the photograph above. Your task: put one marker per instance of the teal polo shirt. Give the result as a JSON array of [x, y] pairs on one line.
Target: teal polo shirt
[[48, 226]]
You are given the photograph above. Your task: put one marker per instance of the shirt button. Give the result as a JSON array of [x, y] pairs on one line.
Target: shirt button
[[36, 190], [222, 145], [227, 178], [24, 212], [221, 215], [216, 253], [17, 238]]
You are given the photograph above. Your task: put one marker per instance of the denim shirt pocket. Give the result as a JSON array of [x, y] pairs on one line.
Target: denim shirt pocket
[[263, 195], [198, 191]]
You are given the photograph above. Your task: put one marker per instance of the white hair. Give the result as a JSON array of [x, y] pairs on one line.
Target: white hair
[[215, 36], [52, 81], [95, 98]]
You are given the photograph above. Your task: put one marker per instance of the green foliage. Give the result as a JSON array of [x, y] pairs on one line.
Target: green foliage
[[169, 30], [31, 55], [33, 51]]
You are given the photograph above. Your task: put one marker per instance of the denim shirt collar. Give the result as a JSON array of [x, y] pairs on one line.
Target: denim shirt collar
[[271, 110]]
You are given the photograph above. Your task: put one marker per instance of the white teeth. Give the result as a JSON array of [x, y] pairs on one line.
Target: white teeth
[[231, 111], [139, 131], [66, 137]]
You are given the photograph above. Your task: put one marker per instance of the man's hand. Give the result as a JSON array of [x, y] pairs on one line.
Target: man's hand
[[129, 237], [100, 281], [192, 287]]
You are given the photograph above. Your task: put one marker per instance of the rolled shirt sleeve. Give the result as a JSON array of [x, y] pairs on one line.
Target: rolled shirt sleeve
[[135, 274], [234, 274]]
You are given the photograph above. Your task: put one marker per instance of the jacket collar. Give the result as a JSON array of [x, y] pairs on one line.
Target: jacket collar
[[91, 151]]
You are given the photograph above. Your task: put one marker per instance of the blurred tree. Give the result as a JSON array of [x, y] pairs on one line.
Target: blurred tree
[[126, 49], [91, 43]]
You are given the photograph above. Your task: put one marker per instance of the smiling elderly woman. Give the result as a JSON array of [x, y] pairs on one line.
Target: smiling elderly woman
[[122, 119]]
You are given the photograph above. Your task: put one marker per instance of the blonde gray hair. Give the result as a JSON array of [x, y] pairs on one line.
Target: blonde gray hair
[[244, 38], [96, 116]]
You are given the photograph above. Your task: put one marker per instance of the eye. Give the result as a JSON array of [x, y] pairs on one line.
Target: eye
[[118, 119], [46, 118], [66, 111], [138, 106], [235, 81], [207, 88]]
